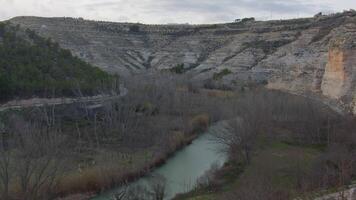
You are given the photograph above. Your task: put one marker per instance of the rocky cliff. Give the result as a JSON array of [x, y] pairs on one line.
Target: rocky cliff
[[316, 55]]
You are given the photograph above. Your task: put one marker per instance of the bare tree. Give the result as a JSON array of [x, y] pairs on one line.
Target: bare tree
[[39, 147], [5, 163], [252, 116], [239, 140], [158, 187]]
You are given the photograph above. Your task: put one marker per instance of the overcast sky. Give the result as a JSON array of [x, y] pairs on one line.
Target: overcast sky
[[171, 11]]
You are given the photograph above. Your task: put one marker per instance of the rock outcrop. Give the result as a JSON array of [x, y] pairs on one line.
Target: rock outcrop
[[340, 72], [310, 55]]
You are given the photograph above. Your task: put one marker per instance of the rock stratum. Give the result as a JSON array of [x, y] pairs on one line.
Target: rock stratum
[[303, 56]]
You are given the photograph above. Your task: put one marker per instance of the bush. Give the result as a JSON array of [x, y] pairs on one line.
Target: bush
[[179, 69], [199, 123], [221, 74], [247, 19]]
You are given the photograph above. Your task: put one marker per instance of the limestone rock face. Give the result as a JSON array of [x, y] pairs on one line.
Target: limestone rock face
[[309, 55], [336, 80], [340, 72]]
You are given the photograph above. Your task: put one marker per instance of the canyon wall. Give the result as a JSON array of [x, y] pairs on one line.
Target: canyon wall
[[340, 72], [310, 55]]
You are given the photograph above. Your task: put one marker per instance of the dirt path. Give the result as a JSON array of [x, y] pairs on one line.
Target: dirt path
[[39, 102]]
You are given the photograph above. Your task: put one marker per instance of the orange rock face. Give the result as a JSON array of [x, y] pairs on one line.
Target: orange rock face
[[337, 77]]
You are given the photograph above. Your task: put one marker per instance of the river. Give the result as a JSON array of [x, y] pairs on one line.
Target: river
[[182, 170]]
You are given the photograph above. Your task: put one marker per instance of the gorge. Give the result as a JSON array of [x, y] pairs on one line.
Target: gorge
[[314, 56], [92, 109]]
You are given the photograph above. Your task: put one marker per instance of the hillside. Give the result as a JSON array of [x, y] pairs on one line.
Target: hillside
[[34, 66], [301, 55]]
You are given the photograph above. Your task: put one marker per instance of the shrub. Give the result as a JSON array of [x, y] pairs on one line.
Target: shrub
[[221, 74], [178, 69], [247, 19], [264, 82], [199, 123]]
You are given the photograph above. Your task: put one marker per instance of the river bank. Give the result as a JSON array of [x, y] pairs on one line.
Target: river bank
[[131, 176], [134, 175], [93, 149], [183, 170]]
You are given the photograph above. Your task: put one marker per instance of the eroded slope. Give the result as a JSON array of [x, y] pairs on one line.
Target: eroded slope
[[302, 55]]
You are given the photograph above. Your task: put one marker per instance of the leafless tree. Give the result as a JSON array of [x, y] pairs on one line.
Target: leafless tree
[[39, 146], [6, 162], [137, 192], [208, 179], [252, 115], [158, 187], [121, 194]]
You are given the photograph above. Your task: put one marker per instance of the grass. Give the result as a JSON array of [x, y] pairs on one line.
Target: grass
[[281, 160], [106, 173]]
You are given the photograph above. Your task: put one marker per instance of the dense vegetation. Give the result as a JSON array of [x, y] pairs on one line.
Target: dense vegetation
[[31, 65]]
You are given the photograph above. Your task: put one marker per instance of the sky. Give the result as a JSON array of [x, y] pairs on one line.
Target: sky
[[172, 11]]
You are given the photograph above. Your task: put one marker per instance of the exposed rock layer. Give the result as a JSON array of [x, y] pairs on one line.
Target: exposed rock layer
[[303, 55]]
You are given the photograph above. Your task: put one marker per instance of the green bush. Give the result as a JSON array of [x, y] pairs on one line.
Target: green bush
[[179, 69], [221, 74]]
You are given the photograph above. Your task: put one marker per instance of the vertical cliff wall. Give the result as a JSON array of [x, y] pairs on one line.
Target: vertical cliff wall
[[340, 72], [337, 78]]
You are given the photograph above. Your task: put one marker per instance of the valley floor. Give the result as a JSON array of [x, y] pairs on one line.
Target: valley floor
[[127, 137]]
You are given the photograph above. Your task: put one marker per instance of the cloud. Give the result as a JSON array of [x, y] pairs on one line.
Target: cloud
[[171, 11], [226, 10], [105, 4], [223, 5]]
